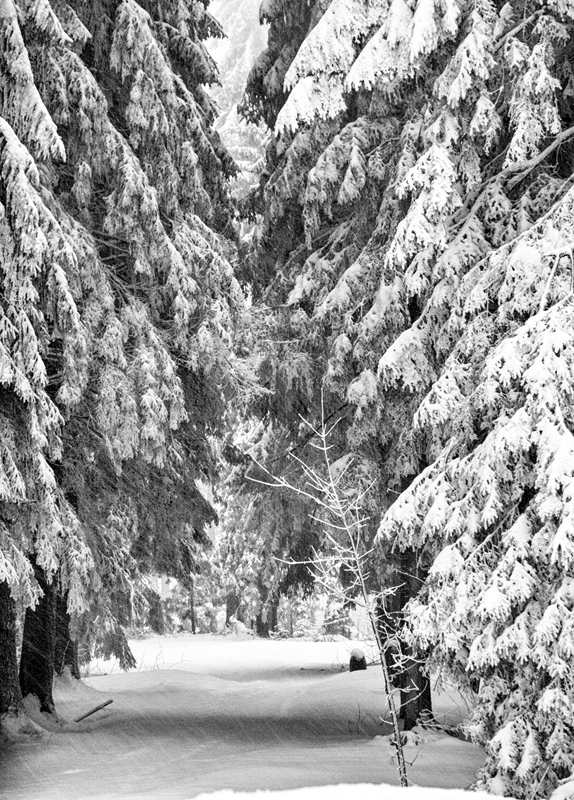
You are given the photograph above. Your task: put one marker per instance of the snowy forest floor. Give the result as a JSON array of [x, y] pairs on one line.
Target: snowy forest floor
[[204, 713]]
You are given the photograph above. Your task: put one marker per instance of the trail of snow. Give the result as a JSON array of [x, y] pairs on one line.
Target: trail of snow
[[205, 713]]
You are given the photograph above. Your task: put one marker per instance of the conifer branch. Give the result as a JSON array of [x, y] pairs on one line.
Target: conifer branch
[[526, 167], [517, 28], [523, 168]]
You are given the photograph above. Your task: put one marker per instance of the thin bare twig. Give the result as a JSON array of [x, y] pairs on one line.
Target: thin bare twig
[[344, 518]]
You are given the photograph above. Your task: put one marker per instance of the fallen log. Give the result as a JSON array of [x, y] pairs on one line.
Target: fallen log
[[93, 711]]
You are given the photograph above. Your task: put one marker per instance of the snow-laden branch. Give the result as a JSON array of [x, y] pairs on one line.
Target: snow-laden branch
[[526, 167], [517, 28]]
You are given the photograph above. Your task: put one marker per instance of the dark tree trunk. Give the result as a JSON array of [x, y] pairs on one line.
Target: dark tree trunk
[[66, 648], [10, 695], [233, 608], [192, 606], [406, 670], [38, 646], [415, 694], [264, 627]]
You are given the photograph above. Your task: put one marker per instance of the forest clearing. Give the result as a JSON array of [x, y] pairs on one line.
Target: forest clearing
[[204, 713]]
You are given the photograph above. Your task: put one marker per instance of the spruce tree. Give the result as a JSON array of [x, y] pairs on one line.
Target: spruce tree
[[38, 307], [425, 153], [119, 303], [316, 265]]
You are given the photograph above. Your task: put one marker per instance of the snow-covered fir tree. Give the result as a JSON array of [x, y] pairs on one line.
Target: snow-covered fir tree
[[119, 303], [417, 237], [39, 314], [315, 267]]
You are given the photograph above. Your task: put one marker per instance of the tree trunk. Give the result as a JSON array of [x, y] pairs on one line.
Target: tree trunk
[[192, 606], [233, 607], [264, 627], [65, 648], [406, 670], [10, 695], [415, 693], [38, 646]]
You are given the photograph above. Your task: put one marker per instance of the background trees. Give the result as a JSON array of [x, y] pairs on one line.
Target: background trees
[[262, 530], [235, 54]]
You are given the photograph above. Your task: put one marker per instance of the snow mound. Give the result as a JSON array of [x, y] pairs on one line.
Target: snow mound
[[366, 791], [19, 729], [72, 695], [564, 792]]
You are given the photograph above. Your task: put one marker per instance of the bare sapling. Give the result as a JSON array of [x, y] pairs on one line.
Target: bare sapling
[[344, 529]]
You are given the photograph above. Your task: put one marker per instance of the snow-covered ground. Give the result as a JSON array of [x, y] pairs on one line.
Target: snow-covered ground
[[206, 713]]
